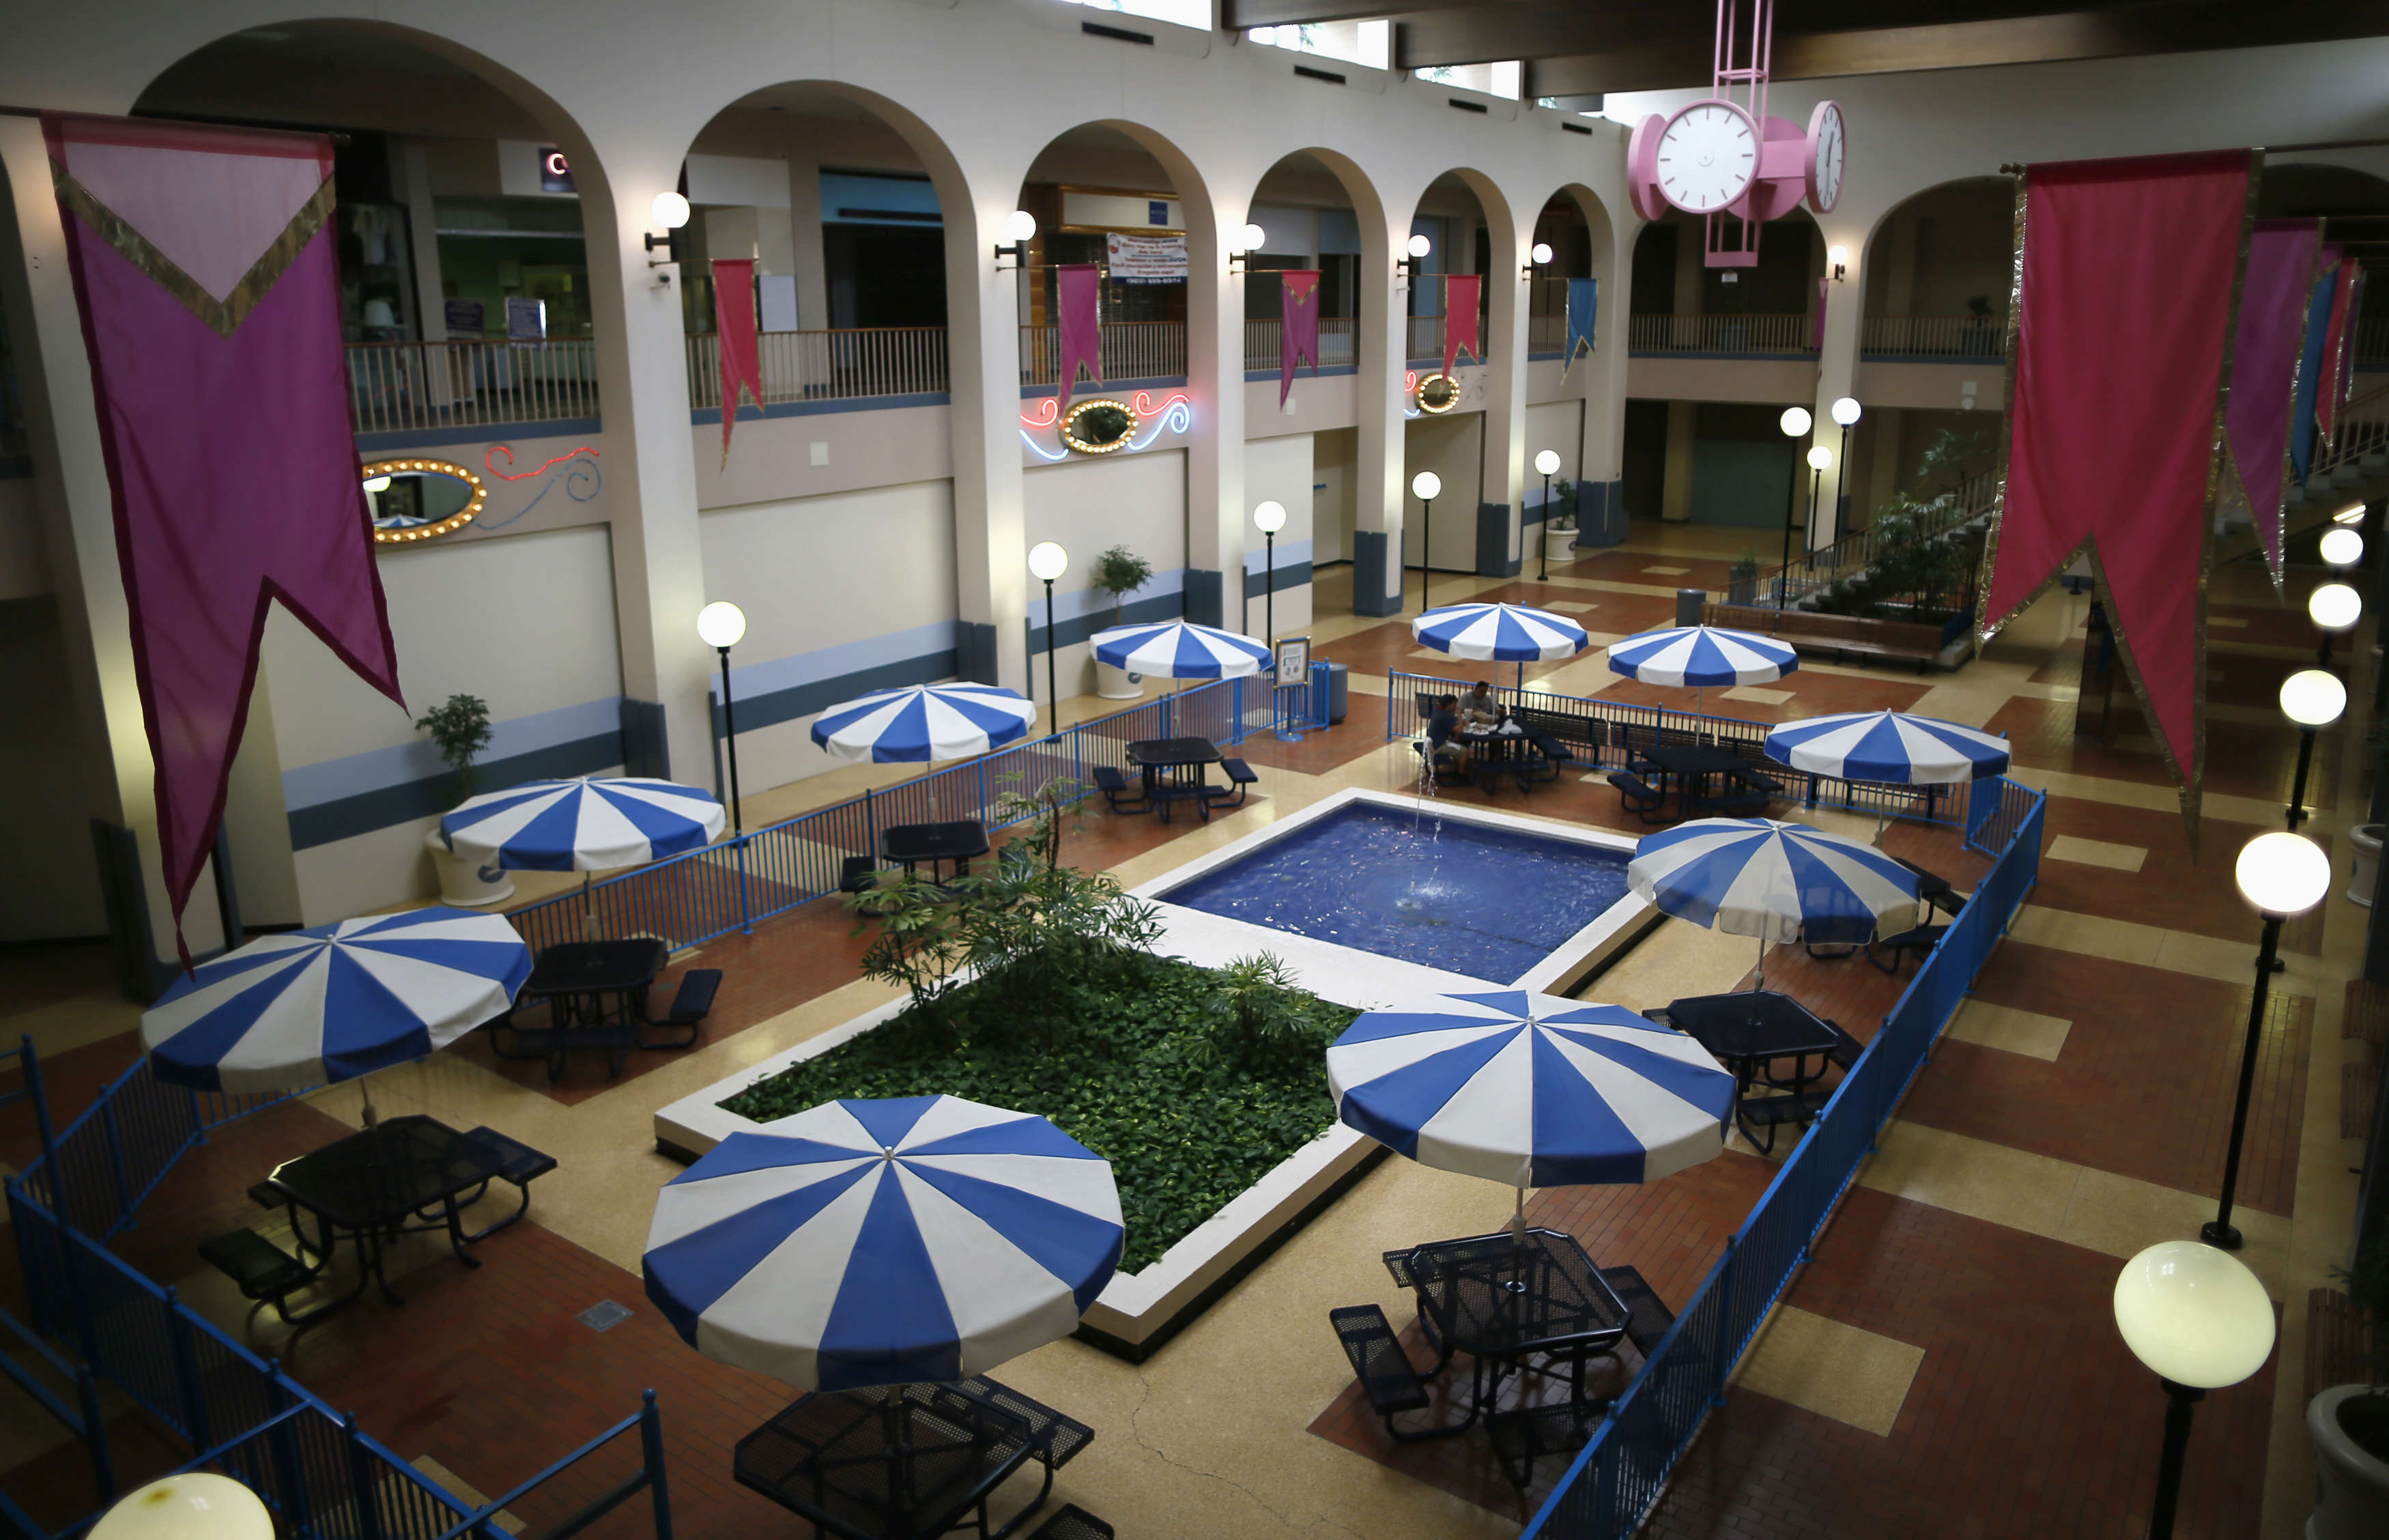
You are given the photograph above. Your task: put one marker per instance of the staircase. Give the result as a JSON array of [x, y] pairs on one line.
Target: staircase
[[2351, 465]]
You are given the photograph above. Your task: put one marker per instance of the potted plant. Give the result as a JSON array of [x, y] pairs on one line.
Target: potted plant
[[1559, 524], [1119, 572], [2349, 1424], [1741, 579], [460, 730]]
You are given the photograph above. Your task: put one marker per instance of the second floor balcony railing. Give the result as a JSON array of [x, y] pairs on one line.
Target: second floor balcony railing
[[853, 364], [1972, 338], [1724, 335], [400, 387], [1264, 338], [1132, 350]]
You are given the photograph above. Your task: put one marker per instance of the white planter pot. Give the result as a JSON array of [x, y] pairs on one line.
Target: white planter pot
[[1115, 684], [2351, 1487], [466, 882], [2366, 841], [1559, 544]]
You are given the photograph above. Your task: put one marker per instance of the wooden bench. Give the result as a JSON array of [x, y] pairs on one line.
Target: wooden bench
[[2357, 1084], [1843, 636], [2366, 1016], [2338, 1343]]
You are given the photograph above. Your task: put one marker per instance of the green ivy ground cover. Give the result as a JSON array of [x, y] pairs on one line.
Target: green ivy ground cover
[[1133, 1063]]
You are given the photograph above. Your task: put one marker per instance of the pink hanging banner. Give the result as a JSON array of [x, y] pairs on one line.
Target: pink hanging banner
[[1298, 328], [1460, 294], [2265, 369], [2335, 361], [211, 301], [2124, 323], [734, 339], [1079, 325]]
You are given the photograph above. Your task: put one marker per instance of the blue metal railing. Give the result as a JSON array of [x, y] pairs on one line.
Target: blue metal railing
[[1614, 1481], [322, 1475], [729, 886], [1624, 730]]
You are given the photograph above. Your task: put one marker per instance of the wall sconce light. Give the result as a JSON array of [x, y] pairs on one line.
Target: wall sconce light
[[671, 212], [1248, 241], [1019, 228], [1407, 266], [1539, 257], [1840, 257]]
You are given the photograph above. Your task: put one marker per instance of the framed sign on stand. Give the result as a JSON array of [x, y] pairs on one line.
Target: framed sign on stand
[[1292, 697]]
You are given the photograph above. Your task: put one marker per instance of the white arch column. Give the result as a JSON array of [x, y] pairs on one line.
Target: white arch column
[[1379, 488], [1502, 471], [983, 385], [1601, 457], [1837, 371], [1216, 518]]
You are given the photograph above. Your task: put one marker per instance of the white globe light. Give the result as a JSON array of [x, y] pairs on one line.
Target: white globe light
[[2342, 546], [2195, 1313], [1420, 246], [1795, 421], [721, 624], [1820, 457], [2282, 874], [1846, 410], [1020, 226], [1252, 236], [1427, 484], [193, 1506], [2352, 514], [2335, 606], [1547, 463], [376, 484], [1048, 560], [670, 209], [1270, 517], [1838, 255], [1541, 253], [2313, 698]]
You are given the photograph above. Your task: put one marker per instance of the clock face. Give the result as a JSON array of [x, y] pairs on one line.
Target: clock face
[[1708, 155], [1827, 146]]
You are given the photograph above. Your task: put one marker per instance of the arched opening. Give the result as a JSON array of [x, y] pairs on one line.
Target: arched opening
[[1576, 227], [1314, 210], [1465, 230], [1105, 314], [1938, 268], [839, 198]]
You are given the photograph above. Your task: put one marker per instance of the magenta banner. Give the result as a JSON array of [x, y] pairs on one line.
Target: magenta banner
[[1460, 293], [1079, 325], [2265, 369], [204, 267], [1298, 330], [733, 331]]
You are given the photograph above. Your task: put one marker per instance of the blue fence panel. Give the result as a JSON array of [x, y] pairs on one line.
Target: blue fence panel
[[1614, 1480]]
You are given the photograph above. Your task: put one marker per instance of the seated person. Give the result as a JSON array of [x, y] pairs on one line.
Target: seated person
[[1444, 749], [1480, 712]]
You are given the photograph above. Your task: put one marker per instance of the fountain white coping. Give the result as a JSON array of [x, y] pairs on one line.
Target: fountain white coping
[[1137, 1312]]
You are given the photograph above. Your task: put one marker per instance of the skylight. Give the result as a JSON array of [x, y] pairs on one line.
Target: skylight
[[1368, 43]]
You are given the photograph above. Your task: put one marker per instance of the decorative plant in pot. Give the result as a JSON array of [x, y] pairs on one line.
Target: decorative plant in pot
[[460, 730], [1741, 579], [1559, 524], [2349, 1424], [1119, 572]]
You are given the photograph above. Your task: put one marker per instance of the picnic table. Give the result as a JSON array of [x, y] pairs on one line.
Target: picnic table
[[959, 841], [379, 1182], [1175, 770], [596, 996], [1505, 1298]]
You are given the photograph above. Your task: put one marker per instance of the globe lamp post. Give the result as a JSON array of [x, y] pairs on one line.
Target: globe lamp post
[[1048, 561], [1548, 462], [2201, 1320], [1269, 517], [1424, 486], [720, 625]]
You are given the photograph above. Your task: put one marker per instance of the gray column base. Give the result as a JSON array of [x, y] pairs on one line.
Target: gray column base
[[643, 748], [1601, 513], [1205, 604], [1493, 558], [1369, 596], [975, 651]]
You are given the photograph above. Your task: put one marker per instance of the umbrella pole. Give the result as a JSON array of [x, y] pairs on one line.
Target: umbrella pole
[[1759, 978], [365, 1090], [1518, 1219], [588, 908]]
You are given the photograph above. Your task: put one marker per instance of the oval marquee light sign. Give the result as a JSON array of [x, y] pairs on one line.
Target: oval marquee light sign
[[409, 503]]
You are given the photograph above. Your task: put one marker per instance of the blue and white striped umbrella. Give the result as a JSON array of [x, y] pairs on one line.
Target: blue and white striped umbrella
[[1181, 649], [883, 1242], [1530, 1089], [1702, 656], [1888, 746], [1500, 633], [594, 822], [1756, 876], [925, 722], [334, 1002]]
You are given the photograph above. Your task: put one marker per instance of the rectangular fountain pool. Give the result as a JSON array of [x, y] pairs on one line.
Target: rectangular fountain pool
[[1495, 899]]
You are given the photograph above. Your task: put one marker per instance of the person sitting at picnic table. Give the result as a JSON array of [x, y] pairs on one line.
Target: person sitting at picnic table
[[1443, 745], [1480, 712]]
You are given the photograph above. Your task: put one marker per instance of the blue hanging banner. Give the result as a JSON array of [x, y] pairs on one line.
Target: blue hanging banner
[[2301, 413], [1581, 297]]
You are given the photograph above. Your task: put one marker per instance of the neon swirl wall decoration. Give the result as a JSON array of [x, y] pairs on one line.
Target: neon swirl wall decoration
[[489, 459]]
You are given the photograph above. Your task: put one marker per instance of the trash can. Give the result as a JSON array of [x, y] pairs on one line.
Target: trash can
[[1339, 692], [1688, 605], [2365, 838]]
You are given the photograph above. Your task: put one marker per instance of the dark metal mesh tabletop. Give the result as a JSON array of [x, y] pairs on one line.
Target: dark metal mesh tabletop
[[1164, 752], [892, 1462], [957, 840], [1751, 1025], [382, 1174], [579, 967], [1498, 1296]]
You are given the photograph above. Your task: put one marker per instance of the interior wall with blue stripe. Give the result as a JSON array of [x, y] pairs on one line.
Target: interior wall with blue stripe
[[847, 593], [1279, 470], [1089, 505]]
